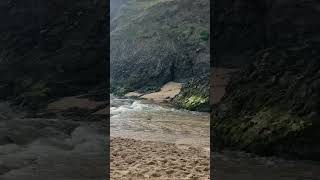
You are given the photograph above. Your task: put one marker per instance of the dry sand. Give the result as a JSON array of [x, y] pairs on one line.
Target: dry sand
[[138, 160], [167, 92]]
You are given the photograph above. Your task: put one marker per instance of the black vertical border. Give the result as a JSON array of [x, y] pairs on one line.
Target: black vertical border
[[107, 19]]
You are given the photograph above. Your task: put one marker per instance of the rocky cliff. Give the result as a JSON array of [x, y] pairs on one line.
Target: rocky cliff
[[51, 49], [157, 41], [271, 106]]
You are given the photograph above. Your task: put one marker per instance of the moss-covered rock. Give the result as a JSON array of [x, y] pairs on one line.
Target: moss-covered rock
[[35, 96], [38, 89], [194, 96], [119, 91], [267, 126], [271, 107], [194, 102]]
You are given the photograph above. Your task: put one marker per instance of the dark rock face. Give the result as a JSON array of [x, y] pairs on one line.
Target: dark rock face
[[53, 48], [271, 107], [243, 27], [153, 42]]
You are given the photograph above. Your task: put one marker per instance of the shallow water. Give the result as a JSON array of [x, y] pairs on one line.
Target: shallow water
[[140, 120]]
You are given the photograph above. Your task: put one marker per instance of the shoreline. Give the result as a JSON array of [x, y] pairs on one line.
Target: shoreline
[[149, 153], [165, 97]]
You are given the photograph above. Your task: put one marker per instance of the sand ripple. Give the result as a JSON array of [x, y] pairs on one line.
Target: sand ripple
[[135, 159]]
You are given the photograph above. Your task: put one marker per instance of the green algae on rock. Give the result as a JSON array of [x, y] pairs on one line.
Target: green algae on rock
[[194, 96]]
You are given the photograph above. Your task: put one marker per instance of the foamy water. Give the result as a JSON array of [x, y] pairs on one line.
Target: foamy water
[[139, 120]]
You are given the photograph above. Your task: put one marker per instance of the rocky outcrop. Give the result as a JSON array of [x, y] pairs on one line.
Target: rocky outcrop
[[271, 106], [51, 49], [194, 95], [154, 42]]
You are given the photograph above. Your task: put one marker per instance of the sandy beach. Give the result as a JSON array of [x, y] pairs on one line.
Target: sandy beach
[[138, 160], [150, 141]]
